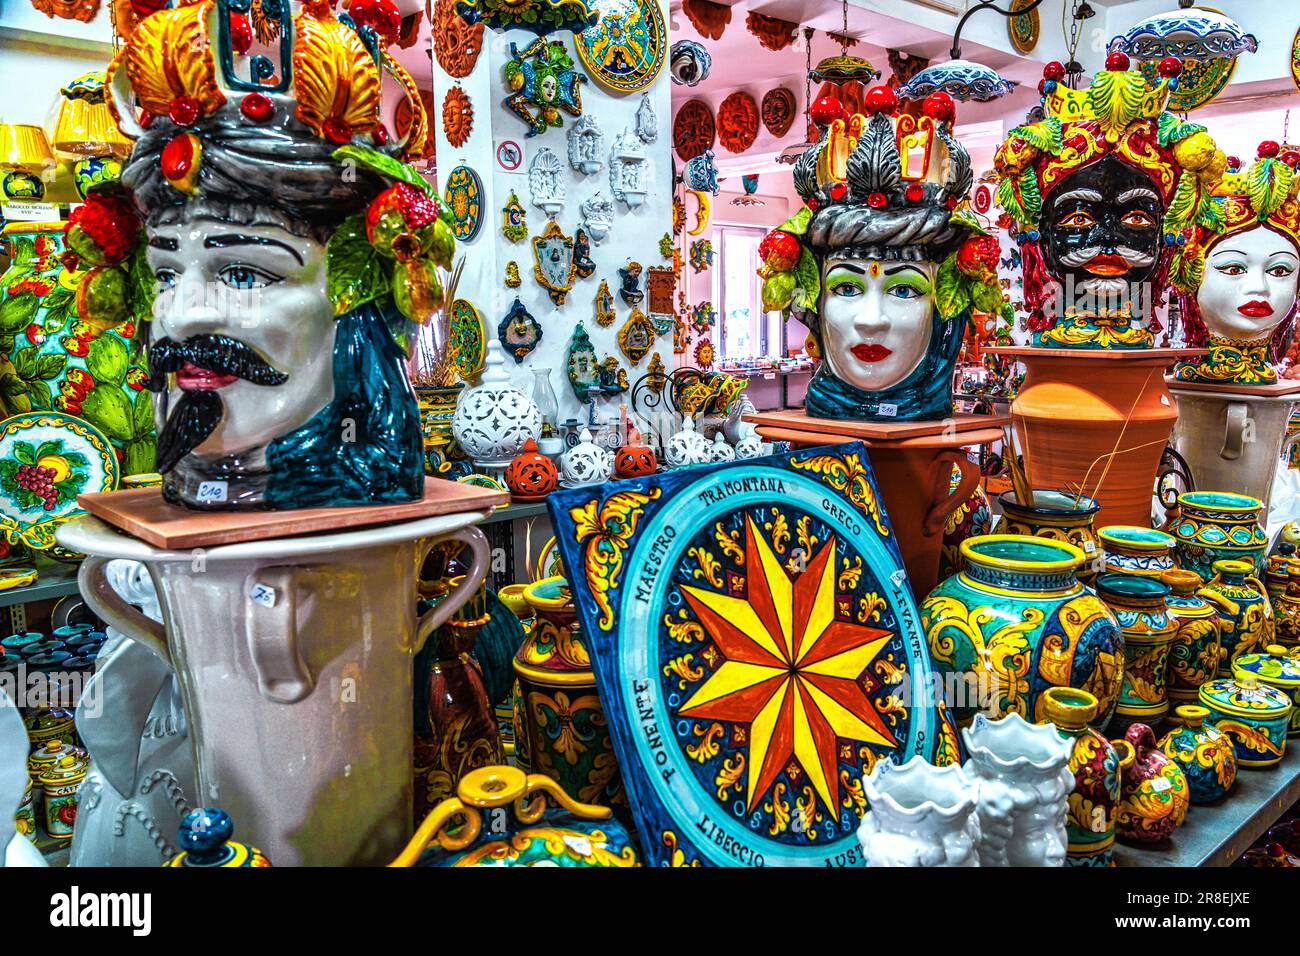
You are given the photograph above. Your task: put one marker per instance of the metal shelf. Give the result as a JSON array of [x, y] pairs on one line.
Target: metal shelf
[[55, 580], [1216, 834]]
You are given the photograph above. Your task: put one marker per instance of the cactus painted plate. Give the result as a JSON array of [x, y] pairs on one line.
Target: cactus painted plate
[[46, 460]]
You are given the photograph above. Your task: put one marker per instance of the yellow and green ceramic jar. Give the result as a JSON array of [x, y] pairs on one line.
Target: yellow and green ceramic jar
[[1286, 607], [1016, 621], [1138, 602], [1207, 757], [1242, 603], [1096, 765], [1217, 525], [1254, 715], [1057, 516], [1195, 653], [560, 726], [1277, 571], [60, 782], [1130, 549], [1275, 667]]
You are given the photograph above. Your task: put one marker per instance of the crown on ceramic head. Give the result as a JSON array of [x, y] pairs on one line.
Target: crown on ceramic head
[[189, 61], [881, 160]]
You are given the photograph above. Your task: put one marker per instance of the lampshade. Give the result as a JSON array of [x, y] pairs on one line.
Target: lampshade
[[1197, 33], [960, 79], [84, 126], [23, 146]]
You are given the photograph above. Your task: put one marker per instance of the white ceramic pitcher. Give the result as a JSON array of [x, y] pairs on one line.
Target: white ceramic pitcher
[[294, 657]]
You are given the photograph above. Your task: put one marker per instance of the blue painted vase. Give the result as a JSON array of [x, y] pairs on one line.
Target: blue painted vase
[[1207, 757], [1095, 764], [1275, 667], [1016, 621], [1138, 602], [1196, 651], [1130, 549], [1214, 525], [1247, 616], [1253, 715], [1058, 516]]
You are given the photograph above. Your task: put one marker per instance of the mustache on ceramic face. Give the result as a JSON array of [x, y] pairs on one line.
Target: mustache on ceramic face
[[1136, 258], [216, 353]]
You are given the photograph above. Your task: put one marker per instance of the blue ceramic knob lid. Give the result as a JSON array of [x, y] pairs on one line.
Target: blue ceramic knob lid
[[205, 838]]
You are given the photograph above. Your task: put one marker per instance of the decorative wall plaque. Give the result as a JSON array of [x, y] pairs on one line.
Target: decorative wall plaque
[[519, 332], [779, 110], [546, 182], [598, 215], [693, 129], [737, 122], [514, 219], [553, 264], [647, 120], [637, 336], [586, 145], [604, 305], [629, 173], [457, 116], [456, 44]]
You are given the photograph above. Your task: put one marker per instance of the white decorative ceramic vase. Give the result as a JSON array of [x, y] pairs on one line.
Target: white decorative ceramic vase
[[294, 658], [1023, 774], [494, 419], [686, 447], [749, 445], [720, 450], [921, 815], [586, 463]]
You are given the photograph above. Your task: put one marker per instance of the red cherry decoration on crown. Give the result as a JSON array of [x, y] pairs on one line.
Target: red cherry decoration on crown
[[1170, 67], [1054, 71], [939, 106], [877, 200], [241, 33], [880, 99], [183, 110], [1117, 61], [827, 110], [1291, 158], [1234, 162], [380, 135], [337, 131], [839, 191], [915, 193], [1268, 149], [257, 107]]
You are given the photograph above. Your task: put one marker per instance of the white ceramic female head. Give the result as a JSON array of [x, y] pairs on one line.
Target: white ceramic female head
[[921, 815], [1249, 286]]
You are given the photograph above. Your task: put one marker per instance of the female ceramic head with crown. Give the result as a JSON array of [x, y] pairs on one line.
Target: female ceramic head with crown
[[292, 250], [879, 263], [1239, 278]]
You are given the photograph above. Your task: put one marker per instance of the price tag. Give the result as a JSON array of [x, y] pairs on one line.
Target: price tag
[[1089, 547], [1164, 400], [210, 491], [1160, 784], [263, 594], [898, 577], [28, 211], [888, 410]]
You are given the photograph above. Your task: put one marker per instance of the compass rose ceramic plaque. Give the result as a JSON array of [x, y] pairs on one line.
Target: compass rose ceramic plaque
[[757, 650]]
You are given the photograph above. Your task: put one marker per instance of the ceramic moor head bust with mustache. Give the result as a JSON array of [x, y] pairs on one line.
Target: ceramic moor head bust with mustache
[[1103, 188], [881, 263], [1238, 280], [293, 251]]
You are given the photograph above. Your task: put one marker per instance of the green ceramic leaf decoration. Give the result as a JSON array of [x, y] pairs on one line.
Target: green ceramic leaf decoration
[[383, 164], [141, 285], [25, 452], [1268, 183], [967, 220], [1008, 200], [987, 297], [49, 366], [142, 414], [18, 311], [1045, 136], [1184, 204], [808, 286], [1115, 98], [950, 294], [1030, 198], [1210, 214], [38, 393], [1170, 129], [355, 273], [798, 223]]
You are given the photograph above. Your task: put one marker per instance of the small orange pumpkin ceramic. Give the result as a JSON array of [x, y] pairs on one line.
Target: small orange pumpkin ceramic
[[531, 476], [635, 459]]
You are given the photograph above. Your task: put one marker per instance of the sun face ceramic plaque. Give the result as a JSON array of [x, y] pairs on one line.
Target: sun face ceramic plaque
[[755, 644]]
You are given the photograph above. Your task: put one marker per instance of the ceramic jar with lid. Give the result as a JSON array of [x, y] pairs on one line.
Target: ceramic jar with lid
[[1275, 667], [48, 755], [1243, 605], [1195, 653], [1138, 602], [1216, 525], [205, 839], [1277, 570], [493, 420], [749, 444], [586, 463], [1023, 776], [1058, 516], [1131, 549], [1154, 793], [60, 782], [920, 815], [56, 723], [1286, 607], [1254, 715], [1095, 766], [531, 476], [25, 816], [1207, 757], [560, 725], [1016, 621]]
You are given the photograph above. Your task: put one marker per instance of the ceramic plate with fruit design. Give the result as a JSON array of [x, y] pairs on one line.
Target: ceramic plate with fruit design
[[46, 460]]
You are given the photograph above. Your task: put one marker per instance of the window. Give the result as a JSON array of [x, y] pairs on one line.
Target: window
[[744, 330]]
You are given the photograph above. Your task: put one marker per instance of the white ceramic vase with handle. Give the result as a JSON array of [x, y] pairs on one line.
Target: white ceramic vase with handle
[[294, 658]]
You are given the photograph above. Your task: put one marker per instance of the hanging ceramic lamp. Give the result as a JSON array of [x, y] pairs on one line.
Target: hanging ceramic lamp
[[1196, 33], [960, 79]]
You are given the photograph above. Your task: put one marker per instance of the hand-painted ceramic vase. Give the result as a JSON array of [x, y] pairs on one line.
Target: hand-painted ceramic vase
[[499, 817], [974, 516], [1240, 601], [60, 782], [560, 727], [1130, 549], [1023, 774], [1016, 621], [1255, 716], [1207, 757], [1213, 525], [1155, 795], [1138, 602], [205, 839], [1286, 608], [1095, 766], [920, 815], [1195, 653], [437, 406], [1275, 667], [1058, 516], [1277, 571]]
